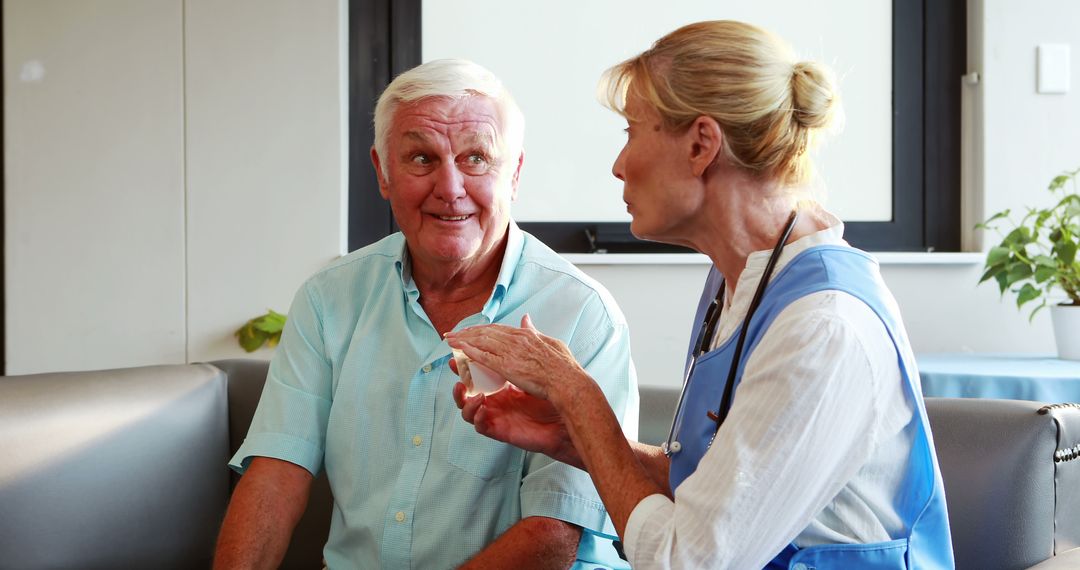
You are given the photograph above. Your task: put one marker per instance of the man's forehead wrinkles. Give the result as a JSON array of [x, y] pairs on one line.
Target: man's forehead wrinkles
[[425, 134], [416, 136]]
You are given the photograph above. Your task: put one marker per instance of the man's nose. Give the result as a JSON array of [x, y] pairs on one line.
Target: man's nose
[[449, 183]]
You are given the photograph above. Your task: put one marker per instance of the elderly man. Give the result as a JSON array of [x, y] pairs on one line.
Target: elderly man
[[361, 385]]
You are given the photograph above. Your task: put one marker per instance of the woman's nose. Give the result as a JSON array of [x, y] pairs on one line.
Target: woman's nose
[[617, 168]]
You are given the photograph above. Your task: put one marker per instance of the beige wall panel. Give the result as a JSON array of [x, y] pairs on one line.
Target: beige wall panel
[[94, 184], [266, 126]]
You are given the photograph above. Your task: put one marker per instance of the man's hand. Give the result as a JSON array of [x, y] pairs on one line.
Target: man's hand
[[519, 419]]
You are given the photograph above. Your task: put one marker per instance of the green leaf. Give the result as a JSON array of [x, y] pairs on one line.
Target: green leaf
[[1058, 182], [269, 323], [250, 338], [996, 255], [1002, 280], [1034, 311], [1066, 252], [1018, 272], [1025, 294], [264, 329], [1044, 273], [1019, 237], [992, 271], [997, 216]]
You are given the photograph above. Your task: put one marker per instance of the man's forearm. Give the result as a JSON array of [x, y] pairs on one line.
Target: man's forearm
[[533, 543], [265, 507]]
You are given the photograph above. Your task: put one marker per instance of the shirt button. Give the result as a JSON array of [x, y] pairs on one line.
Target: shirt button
[[417, 440], [400, 517], [427, 368]]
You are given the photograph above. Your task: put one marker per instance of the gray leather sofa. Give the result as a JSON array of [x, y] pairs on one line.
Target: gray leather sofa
[[126, 469]]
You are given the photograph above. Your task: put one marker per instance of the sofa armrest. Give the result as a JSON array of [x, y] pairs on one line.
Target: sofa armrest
[[1070, 559]]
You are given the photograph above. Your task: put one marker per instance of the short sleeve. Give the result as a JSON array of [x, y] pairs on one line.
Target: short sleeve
[[290, 421]]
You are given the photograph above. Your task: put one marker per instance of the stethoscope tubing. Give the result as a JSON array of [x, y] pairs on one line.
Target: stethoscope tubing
[[672, 446]]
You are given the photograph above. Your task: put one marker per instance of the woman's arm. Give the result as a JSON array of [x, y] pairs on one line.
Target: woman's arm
[[624, 473]]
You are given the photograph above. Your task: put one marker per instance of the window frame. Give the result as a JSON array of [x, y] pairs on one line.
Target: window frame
[[929, 59]]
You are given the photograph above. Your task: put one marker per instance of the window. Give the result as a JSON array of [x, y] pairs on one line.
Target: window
[[929, 58]]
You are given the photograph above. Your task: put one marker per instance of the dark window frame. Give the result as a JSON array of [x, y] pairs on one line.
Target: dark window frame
[[384, 40], [929, 58], [3, 229]]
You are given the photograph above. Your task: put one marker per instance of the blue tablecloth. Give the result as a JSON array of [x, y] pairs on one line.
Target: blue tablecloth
[[1003, 376]]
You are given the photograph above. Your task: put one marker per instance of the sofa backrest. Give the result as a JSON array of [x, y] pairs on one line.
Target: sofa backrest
[[127, 468], [113, 468], [246, 380]]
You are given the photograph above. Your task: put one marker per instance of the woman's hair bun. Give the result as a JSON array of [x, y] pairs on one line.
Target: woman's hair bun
[[813, 94]]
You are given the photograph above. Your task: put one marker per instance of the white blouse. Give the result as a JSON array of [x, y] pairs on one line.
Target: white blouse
[[813, 450]]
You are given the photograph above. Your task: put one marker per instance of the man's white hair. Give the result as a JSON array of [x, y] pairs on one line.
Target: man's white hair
[[450, 78]]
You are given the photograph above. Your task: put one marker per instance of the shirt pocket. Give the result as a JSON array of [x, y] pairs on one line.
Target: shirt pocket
[[480, 455]]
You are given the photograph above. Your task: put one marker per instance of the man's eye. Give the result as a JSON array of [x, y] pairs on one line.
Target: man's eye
[[421, 159], [476, 160]]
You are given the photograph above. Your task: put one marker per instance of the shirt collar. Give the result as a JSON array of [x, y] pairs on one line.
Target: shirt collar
[[515, 244]]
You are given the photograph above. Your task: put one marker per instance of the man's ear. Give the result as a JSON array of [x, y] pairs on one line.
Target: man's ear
[[706, 141], [384, 187], [517, 175]]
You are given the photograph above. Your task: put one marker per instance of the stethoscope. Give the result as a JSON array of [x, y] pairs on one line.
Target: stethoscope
[[704, 340]]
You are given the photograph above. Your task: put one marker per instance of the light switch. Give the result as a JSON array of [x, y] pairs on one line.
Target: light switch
[[1053, 68]]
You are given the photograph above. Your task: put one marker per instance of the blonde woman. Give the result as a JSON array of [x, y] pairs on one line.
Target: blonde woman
[[801, 440]]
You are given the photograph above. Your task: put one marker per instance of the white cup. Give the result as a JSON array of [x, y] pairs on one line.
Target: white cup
[[477, 378]]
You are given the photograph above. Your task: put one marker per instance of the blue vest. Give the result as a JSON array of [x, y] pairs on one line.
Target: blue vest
[[921, 500]]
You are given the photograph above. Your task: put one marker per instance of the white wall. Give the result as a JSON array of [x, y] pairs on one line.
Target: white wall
[[553, 63], [114, 258], [173, 169]]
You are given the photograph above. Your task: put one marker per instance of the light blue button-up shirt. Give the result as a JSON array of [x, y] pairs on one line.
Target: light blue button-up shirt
[[360, 385]]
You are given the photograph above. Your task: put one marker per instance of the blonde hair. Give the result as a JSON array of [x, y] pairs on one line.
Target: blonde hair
[[449, 78], [769, 105]]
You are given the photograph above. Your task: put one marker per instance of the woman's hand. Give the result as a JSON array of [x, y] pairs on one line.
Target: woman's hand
[[520, 414], [519, 419], [537, 364]]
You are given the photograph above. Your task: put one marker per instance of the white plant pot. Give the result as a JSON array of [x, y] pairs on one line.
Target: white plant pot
[[1066, 319]]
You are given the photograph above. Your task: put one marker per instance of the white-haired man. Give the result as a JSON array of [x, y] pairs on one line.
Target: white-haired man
[[361, 385]]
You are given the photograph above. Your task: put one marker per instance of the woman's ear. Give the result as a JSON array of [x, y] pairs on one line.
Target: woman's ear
[[706, 140]]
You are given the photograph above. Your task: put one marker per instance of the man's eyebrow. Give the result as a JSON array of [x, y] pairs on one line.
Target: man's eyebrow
[[481, 138]]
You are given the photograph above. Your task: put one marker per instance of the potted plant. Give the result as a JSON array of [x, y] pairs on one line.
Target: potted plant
[[264, 329], [1037, 260]]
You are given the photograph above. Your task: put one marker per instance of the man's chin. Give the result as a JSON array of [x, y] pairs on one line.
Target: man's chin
[[452, 250]]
